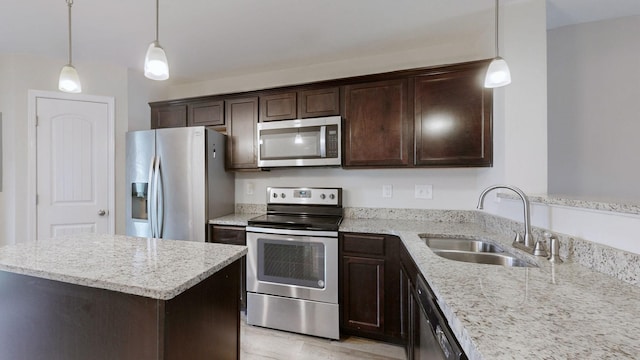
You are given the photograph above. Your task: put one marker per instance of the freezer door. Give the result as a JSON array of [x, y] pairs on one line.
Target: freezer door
[[181, 186], [140, 155]]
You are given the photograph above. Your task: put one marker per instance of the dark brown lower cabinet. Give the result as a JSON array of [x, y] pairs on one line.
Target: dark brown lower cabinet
[[53, 320], [233, 235], [369, 286]]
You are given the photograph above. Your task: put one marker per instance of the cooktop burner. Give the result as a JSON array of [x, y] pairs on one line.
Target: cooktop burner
[[293, 221], [302, 209]]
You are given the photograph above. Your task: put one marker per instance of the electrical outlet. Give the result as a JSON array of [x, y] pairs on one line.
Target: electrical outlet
[[250, 188], [424, 192], [387, 191]]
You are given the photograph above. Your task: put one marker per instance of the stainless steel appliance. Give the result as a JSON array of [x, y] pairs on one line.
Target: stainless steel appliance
[[292, 263], [302, 142], [176, 182], [432, 337]]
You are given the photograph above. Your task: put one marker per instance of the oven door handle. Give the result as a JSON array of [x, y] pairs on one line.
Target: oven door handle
[[281, 231]]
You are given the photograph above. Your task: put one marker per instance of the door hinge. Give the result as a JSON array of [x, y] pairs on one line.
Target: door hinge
[[37, 120], [37, 199]]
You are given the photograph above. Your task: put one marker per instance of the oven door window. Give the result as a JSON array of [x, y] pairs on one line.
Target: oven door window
[[294, 263], [294, 143]]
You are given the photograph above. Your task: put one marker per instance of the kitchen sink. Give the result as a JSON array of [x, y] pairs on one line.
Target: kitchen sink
[[459, 244], [473, 251], [483, 258]]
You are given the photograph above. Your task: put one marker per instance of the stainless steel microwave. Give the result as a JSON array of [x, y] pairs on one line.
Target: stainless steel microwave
[[301, 142]]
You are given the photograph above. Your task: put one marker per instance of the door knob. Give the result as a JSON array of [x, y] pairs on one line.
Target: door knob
[[102, 212]]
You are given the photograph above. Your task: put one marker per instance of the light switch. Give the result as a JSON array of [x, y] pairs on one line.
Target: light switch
[[250, 188], [387, 191]]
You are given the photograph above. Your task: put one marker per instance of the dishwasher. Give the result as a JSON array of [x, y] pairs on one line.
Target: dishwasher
[[432, 337]]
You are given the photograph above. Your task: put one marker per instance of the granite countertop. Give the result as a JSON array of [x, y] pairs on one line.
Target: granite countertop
[[563, 311], [154, 268]]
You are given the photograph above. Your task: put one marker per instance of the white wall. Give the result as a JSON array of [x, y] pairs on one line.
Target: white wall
[[452, 188], [594, 112], [20, 73], [519, 118]]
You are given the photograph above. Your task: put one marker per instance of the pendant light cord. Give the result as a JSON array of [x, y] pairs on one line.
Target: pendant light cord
[[69, 3], [497, 19], [157, 19]]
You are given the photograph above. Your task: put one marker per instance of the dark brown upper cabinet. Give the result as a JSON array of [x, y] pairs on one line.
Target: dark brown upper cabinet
[[453, 125], [427, 117], [377, 128], [280, 106], [207, 113], [241, 117], [319, 102], [166, 116]]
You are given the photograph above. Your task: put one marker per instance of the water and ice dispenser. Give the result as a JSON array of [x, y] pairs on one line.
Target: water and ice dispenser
[[139, 197]]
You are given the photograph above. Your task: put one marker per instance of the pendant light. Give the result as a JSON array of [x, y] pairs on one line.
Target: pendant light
[[156, 66], [498, 73], [69, 80]]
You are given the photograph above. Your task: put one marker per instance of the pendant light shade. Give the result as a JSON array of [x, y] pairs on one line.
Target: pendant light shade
[[156, 66], [498, 73], [69, 80]]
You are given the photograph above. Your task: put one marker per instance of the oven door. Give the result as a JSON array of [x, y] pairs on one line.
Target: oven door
[[293, 263]]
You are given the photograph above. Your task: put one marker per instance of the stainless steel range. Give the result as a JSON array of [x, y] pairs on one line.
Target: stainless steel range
[[292, 263]]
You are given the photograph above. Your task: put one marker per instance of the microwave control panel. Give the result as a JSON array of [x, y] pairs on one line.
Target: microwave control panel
[[332, 141]]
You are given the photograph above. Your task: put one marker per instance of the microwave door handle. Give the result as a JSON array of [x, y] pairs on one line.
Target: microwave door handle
[[323, 141]]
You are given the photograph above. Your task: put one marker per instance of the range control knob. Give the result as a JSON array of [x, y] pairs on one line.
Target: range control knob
[[332, 196], [283, 195], [323, 196], [275, 195]]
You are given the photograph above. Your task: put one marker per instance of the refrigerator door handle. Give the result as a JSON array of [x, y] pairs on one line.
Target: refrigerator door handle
[[159, 201], [150, 204]]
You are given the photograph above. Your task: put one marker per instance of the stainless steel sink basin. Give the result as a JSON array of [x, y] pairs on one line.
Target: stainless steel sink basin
[[459, 244], [483, 258], [472, 250]]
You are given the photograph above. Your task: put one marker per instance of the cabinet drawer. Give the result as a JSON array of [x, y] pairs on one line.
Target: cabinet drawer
[[363, 244], [234, 235]]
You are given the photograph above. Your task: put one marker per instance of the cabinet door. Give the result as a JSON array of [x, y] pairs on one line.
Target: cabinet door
[[453, 118], [278, 107], [320, 102], [210, 113], [370, 284], [234, 235], [377, 130], [241, 117], [166, 116], [363, 297]]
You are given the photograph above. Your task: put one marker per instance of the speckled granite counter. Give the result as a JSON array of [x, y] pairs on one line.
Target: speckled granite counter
[[233, 219], [564, 311], [159, 269]]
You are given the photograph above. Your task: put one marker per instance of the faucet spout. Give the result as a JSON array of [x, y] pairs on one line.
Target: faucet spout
[[528, 236]]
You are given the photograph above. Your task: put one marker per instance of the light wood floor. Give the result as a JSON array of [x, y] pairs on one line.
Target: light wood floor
[[261, 343]]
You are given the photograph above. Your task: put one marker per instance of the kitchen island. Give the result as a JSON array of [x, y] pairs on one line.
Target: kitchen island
[[117, 297]]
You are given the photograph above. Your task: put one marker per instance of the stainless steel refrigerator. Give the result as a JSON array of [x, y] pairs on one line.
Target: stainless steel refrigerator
[[176, 182]]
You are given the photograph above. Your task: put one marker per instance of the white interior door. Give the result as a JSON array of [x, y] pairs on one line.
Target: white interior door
[[72, 167]]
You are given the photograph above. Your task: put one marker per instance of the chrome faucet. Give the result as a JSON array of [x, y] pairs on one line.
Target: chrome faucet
[[528, 244]]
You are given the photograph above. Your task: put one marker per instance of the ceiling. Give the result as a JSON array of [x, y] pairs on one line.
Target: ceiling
[[206, 39]]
